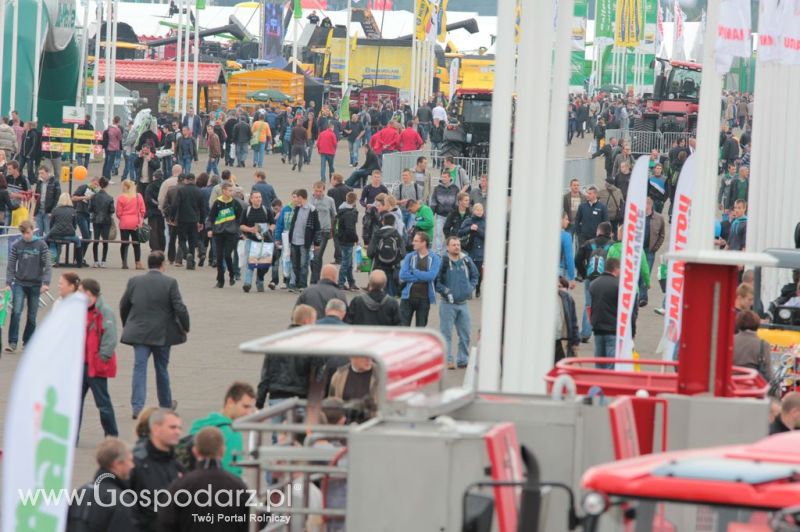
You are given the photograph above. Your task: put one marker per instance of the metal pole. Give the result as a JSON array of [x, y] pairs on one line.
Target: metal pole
[[37, 59], [12, 102], [295, 27], [3, 7], [96, 84], [346, 81], [186, 43], [497, 201], [704, 198], [195, 96], [178, 45], [413, 90], [107, 91], [84, 52], [112, 86]]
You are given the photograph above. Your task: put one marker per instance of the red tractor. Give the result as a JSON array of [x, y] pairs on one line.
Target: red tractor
[[672, 108]]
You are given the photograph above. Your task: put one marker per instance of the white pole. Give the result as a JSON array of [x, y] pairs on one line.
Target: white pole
[[96, 84], [195, 96], [112, 86], [413, 91], [186, 43], [178, 46], [84, 52], [107, 91], [497, 201], [12, 102], [295, 27], [704, 197], [37, 59], [3, 7], [346, 81]]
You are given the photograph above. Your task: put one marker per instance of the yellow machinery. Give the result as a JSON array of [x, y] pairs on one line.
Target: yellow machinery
[[241, 83]]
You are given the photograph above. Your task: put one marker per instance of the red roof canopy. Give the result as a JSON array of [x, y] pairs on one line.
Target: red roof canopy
[[153, 71]]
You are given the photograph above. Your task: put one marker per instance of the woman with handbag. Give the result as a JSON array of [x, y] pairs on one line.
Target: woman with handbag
[[130, 213], [100, 361]]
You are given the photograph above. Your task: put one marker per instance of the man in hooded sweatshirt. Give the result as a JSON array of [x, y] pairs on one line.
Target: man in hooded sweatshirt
[[374, 307], [224, 218], [455, 283], [240, 400]]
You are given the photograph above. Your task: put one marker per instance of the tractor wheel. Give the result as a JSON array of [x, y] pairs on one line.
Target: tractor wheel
[[645, 124]]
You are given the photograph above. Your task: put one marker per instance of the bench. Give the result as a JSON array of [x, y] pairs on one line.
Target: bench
[[84, 243]]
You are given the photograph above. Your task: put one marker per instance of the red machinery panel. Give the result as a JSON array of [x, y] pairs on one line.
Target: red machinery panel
[[506, 463]]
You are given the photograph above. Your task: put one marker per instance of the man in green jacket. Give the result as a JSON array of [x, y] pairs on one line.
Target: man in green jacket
[[423, 217], [240, 400]]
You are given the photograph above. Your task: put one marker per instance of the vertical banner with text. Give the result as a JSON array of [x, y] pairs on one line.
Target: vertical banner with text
[[578, 39], [273, 30]]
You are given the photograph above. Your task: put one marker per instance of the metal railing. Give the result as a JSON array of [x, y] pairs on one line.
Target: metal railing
[[642, 142]]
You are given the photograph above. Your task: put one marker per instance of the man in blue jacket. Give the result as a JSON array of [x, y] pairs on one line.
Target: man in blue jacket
[[456, 281], [418, 271]]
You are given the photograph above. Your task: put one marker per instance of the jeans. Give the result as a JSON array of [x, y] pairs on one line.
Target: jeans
[[258, 154], [166, 165], [130, 169], [99, 387], [129, 235], [346, 269], [225, 244], [316, 264], [212, 167], [298, 156], [586, 326], [248, 271], [605, 347], [186, 164], [300, 266], [288, 276], [241, 153], [418, 306], [20, 295], [435, 148], [325, 159], [101, 233], [438, 234], [42, 222], [84, 227], [227, 153], [357, 178], [355, 145], [309, 149], [139, 382], [455, 314], [650, 256], [55, 248], [108, 163], [425, 129], [187, 239]]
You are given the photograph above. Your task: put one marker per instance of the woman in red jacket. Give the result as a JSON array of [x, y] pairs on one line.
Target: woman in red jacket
[[130, 213]]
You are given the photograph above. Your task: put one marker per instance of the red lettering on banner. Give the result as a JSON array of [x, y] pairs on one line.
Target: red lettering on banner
[[791, 43], [766, 40], [627, 278], [731, 34]]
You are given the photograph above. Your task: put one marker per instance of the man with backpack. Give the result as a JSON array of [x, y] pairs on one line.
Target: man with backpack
[[590, 263], [347, 237], [455, 282], [418, 271], [386, 251], [611, 197], [604, 291], [240, 400]]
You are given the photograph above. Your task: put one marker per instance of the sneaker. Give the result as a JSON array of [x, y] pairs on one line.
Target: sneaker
[[451, 365], [642, 303], [103, 264], [462, 365], [232, 281], [95, 264], [271, 286], [292, 289], [219, 285], [246, 289], [294, 167], [353, 288], [660, 311], [10, 348]]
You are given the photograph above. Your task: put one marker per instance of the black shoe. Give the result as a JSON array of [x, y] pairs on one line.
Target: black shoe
[[585, 340], [219, 285], [642, 303], [294, 167], [201, 262], [271, 286], [246, 289], [190, 263], [232, 281], [259, 288]]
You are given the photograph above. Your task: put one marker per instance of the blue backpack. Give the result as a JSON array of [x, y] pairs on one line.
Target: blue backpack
[[597, 261]]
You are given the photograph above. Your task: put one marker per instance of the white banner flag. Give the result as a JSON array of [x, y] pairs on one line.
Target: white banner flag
[[631, 259], [659, 27], [678, 51], [769, 30], [42, 421], [678, 237], [789, 17], [733, 33], [453, 76]]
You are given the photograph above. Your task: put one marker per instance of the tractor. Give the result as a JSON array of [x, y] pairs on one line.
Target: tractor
[[469, 123], [672, 108]]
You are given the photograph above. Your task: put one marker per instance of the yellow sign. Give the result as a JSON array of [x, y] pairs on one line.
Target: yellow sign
[[82, 148], [424, 19], [394, 69], [56, 146], [443, 21], [84, 134], [57, 132], [629, 23]]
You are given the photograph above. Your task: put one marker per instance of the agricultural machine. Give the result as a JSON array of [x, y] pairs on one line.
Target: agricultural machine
[[673, 106], [469, 124]]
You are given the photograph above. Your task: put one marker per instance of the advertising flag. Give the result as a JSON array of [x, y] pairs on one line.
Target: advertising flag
[[659, 27], [678, 237], [789, 17], [733, 33], [629, 23], [631, 259], [424, 19], [678, 46], [454, 64], [442, 21], [769, 30], [273, 30], [604, 13], [578, 31], [42, 421]]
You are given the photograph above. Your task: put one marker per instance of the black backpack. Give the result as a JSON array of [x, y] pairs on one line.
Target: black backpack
[[388, 250], [597, 261], [183, 453]]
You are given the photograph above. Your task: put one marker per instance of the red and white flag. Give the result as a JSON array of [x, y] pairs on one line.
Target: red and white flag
[[678, 51], [733, 33]]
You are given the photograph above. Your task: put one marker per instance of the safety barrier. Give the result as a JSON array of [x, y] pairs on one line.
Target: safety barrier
[[642, 142]]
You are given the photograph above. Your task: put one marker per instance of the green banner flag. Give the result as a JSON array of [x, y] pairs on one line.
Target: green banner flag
[[298, 9], [604, 12], [200, 4]]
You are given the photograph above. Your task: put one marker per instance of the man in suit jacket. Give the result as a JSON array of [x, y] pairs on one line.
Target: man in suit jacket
[[154, 319], [192, 121]]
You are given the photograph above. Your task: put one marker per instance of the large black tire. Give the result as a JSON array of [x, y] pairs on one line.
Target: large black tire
[[451, 148], [645, 124]]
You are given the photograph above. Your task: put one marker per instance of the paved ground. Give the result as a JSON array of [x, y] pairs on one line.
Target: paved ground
[[202, 368]]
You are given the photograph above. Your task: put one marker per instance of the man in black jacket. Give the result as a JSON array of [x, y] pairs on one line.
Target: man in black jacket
[[188, 211], [48, 189], [154, 319], [607, 151], [304, 232], [317, 295], [386, 249], [209, 479], [30, 151], [158, 241], [230, 124], [99, 509], [285, 376], [605, 290], [241, 138], [374, 307], [156, 466]]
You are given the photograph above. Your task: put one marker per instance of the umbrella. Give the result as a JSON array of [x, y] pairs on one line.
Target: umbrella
[[265, 95]]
